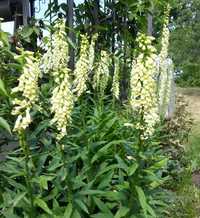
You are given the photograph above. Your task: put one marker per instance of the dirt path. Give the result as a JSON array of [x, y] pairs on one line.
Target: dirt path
[[192, 96]]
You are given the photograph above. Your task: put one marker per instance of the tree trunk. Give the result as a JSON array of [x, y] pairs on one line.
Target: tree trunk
[[150, 20], [26, 12]]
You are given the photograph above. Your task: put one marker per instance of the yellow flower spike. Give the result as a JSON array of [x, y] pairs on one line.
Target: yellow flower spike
[[84, 65], [55, 62], [62, 102], [143, 97], [82, 68], [165, 68], [101, 75], [28, 87], [56, 55]]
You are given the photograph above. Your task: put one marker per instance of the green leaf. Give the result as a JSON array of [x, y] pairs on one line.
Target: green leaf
[[27, 31], [43, 181], [160, 164], [76, 214], [68, 211], [102, 206], [43, 205], [9, 213], [101, 215], [82, 205], [143, 202], [151, 211], [106, 180], [122, 212], [4, 124], [114, 196], [91, 192], [142, 199], [121, 163], [3, 89], [132, 169], [18, 198]]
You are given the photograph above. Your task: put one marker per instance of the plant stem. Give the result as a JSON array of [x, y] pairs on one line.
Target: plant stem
[[26, 152], [70, 196]]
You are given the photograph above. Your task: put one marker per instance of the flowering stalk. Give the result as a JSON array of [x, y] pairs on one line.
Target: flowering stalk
[[115, 83], [101, 76], [26, 151], [28, 87], [143, 97], [55, 62], [165, 66], [82, 67]]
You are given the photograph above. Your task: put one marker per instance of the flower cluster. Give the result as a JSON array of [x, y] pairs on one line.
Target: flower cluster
[[55, 62], [62, 105], [82, 68], [101, 75], [143, 86], [165, 69], [115, 83], [84, 64], [56, 55], [28, 86]]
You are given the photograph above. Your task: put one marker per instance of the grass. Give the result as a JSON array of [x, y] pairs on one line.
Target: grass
[[193, 147], [187, 200]]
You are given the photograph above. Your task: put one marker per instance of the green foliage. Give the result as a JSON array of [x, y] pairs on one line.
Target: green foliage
[[175, 133], [193, 147], [190, 76], [101, 168], [185, 41], [99, 171], [185, 204], [4, 124]]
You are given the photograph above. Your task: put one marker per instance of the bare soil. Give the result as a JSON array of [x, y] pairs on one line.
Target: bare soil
[[192, 97]]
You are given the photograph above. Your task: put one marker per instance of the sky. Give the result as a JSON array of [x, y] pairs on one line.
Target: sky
[[9, 26]]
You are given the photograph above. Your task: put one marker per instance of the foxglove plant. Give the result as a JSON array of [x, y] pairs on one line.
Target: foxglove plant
[[101, 76], [143, 97], [28, 87], [82, 67], [55, 62], [165, 69], [92, 51]]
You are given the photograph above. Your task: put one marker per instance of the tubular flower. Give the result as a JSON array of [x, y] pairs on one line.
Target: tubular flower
[[115, 83], [62, 106], [28, 86], [143, 86], [55, 62], [56, 55], [82, 68], [101, 75], [166, 74]]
